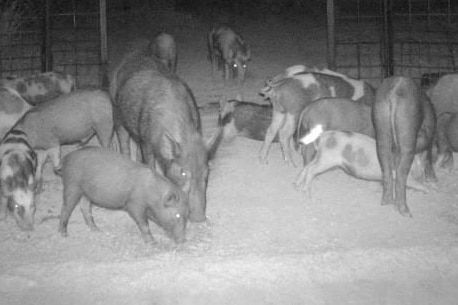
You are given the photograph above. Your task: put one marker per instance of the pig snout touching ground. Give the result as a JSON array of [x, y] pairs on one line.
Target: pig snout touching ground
[[353, 152], [157, 109], [18, 163], [40, 87], [405, 124], [112, 181], [335, 114], [228, 51], [246, 119], [68, 119], [447, 139], [164, 48]]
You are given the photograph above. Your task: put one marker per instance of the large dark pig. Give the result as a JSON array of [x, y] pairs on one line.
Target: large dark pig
[[362, 91], [228, 51], [157, 109], [354, 153], [335, 114], [246, 119], [18, 163], [405, 123], [289, 97], [164, 48], [112, 181], [40, 87], [447, 139], [68, 119], [444, 94]]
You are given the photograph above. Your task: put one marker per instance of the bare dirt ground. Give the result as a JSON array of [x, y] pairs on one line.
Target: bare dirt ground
[[264, 243]]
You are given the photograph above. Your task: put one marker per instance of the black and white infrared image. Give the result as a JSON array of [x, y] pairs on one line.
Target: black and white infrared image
[[228, 152]]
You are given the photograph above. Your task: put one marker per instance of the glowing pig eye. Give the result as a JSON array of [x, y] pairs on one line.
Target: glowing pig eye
[[177, 216], [234, 65], [183, 173]]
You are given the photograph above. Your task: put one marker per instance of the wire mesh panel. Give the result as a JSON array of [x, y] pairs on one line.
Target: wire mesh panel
[[377, 38], [43, 35], [21, 37]]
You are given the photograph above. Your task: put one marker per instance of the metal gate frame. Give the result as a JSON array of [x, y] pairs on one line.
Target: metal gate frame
[[380, 38], [62, 36]]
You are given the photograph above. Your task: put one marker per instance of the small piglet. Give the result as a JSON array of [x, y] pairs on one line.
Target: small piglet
[[111, 180]]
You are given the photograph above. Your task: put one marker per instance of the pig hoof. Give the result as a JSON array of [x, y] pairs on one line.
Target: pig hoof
[[404, 211]]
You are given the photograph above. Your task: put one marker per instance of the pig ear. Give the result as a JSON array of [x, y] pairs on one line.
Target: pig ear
[[170, 148], [171, 198], [213, 142]]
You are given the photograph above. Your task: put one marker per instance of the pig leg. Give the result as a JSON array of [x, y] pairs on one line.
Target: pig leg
[[86, 210], [314, 168], [277, 122], [138, 214], [286, 138], [3, 207], [308, 153], [427, 160], [123, 138], [72, 195], [401, 172], [54, 153], [444, 154], [42, 156], [104, 134], [386, 159]]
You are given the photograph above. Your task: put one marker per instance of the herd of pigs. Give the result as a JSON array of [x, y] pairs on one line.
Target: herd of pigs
[[394, 134]]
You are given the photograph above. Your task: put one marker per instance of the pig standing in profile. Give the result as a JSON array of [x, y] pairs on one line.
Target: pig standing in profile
[[112, 181], [353, 152], [228, 51]]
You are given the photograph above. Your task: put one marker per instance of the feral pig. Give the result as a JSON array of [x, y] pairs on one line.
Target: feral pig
[[68, 119], [112, 181], [444, 94], [446, 139], [40, 87], [289, 98], [353, 152], [18, 163], [164, 48], [157, 109], [228, 51], [246, 119], [362, 91], [405, 124], [335, 114]]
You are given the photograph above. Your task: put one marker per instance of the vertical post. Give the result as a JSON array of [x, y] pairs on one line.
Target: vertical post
[[46, 56], [103, 43], [388, 38], [331, 38]]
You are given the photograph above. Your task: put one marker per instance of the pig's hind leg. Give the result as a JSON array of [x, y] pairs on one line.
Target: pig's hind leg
[[86, 210], [72, 195], [317, 166], [278, 119]]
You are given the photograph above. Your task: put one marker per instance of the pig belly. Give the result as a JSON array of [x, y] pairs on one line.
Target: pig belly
[[105, 194]]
